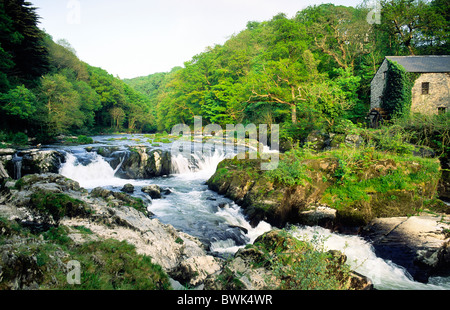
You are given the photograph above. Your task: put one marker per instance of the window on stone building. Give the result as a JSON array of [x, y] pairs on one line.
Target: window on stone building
[[425, 88], [442, 110]]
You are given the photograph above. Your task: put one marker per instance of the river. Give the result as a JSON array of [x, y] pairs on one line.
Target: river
[[217, 221]]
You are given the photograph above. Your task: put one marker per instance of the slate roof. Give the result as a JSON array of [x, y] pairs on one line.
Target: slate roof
[[423, 64]]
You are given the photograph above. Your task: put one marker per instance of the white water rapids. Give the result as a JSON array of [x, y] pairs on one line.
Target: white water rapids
[[219, 222]]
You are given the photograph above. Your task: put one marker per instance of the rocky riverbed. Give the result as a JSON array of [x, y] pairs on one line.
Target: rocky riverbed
[[39, 203], [417, 242]]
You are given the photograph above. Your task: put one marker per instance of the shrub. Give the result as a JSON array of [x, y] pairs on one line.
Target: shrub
[[19, 138], [85, 140], [300, 264], [115, 265]]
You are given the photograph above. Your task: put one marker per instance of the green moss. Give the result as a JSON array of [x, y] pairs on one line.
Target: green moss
[[179, 240], [58, 205]]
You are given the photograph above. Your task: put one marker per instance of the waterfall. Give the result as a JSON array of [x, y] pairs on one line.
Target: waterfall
[[361, 257], [98, 172], [17, 160], [180, 164], [198, 162]]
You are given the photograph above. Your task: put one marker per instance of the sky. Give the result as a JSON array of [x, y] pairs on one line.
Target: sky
[[140, 37]]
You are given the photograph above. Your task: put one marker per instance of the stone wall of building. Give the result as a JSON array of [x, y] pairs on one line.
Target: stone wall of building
[[438, 95], [377, 86]]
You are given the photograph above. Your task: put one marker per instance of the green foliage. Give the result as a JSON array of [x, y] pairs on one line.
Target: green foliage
[[300, 264], [19, 102], [312, 70], [85, 140], [397, 93], [19, 138], [22, 42], [428, 130], [47, 90], [114, 265], [79, 140], [290, 171], [415, 26]]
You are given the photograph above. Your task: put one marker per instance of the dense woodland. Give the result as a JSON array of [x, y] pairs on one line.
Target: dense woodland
[[307, 72]]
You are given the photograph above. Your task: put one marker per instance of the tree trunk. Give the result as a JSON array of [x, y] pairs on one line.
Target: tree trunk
[[294, 113]]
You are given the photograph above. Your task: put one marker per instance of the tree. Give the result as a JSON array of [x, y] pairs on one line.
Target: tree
[[332, 98], [23, 40], [283, 82], [62, 104], [117, 117], [414, 24], [19, 102], [63, 56], [339, 32], [437, 29]]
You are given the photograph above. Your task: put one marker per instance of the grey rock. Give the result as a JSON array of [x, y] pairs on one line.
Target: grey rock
[[418, 243], [154, 191], [128, 188], [354, 140]]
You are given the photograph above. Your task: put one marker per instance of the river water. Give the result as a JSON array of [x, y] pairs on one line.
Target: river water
[[191, 207]]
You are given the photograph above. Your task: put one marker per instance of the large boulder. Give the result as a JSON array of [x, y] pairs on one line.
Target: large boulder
[[418, 243], [154, 191], [354, 140], [318, 140], [287, 194], [41, 161], [276, 260], [19, 163], [128, 188], [142, 163]]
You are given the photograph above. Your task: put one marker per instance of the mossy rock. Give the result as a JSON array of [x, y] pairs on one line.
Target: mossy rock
[[58, 205], [278, 260]]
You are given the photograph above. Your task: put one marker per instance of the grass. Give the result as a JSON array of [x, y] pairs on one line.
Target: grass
[[58, 205], [105, 264]]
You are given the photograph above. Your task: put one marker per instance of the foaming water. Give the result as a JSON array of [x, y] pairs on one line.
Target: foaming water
[[197, 165], [190, 207], [97, 172], [234, 216], [361, 257]]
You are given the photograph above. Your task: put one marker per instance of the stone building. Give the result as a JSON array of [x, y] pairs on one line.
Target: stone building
[[431, 91]]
